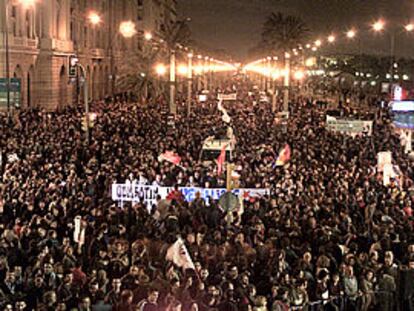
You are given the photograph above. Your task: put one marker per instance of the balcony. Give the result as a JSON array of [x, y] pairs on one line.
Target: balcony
[[23, 42], [56, 45], [97, 53]]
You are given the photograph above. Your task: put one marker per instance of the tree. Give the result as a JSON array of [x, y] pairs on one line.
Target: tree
[[282, 33], [137, 73], [176, 33]]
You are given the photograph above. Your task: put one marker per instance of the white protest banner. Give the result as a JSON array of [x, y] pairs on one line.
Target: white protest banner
[[232, 96], [330, 119], [351, 127], [135, 193], [148, 194], [384, 157]]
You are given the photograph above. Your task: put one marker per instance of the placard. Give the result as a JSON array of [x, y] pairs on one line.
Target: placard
[[232, 96], [384, 157]]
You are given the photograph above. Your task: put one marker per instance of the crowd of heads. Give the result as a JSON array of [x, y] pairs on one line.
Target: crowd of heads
[[329, 231]]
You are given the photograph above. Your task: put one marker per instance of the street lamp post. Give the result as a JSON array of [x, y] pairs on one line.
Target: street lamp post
[[379, 27], [269, 73], [392, 52], [6, 29], [274, 96], [111, 49], [190, 82], [286, 83], [86, 101], [173, 106], [205, 71]]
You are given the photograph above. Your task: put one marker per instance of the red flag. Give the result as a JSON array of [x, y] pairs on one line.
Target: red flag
[[170, 157], [221, 159], [284, 156]]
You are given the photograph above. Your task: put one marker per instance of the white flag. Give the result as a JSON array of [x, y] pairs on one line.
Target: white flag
[[79, 232], [226, 118], [220, 106], [11, 158], [178, 254]]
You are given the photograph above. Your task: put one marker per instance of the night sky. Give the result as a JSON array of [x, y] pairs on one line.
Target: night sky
[[235, 25]]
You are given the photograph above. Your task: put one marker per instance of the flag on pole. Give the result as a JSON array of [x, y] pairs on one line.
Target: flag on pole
[[170, 156], [221, 159], [79, 232], [178, 254], [284, 156]]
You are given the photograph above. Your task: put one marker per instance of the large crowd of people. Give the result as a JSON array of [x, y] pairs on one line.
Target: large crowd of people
[[330, 236]]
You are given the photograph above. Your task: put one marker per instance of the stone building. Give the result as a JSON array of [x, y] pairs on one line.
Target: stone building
[[43, 34]]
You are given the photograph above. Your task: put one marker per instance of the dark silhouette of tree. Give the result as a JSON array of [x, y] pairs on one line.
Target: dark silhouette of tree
[[282, 33]]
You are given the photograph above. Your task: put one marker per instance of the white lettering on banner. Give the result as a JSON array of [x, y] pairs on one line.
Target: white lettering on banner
[[351, 127], [148, 194], [135, 193], [227, 96]]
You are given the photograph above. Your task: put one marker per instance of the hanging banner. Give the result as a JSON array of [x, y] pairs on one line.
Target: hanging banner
[[148, 194]]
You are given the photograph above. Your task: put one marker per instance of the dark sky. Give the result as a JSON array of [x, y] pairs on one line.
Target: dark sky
[[235, 25]]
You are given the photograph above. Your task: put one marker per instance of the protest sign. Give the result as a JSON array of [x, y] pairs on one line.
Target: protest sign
[[148, 194], [384, 157], [232, 96], [350, 127]]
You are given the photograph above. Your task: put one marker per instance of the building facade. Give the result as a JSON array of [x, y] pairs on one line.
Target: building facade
[[44, 34]]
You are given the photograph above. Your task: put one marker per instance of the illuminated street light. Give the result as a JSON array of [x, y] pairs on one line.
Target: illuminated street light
[[299, 75], [94, 18], [127, 29], [275, 74], [310, 62], [318, 43], [182, 70], [409, 27], [351, 34], [148, 36], [308, 46], [314, 49], [378, 26], [27, 3], [198, 70], [160, 69], [331, 39]]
